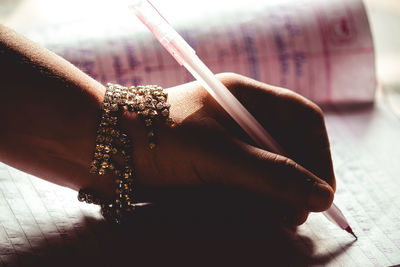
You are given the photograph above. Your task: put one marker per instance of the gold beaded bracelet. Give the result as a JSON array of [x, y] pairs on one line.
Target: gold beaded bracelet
[[150, 103]]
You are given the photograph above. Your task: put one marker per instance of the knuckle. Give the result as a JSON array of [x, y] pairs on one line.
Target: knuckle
[[306, 108], [285, 171], [287, 165], [231, 79], [314, 113]]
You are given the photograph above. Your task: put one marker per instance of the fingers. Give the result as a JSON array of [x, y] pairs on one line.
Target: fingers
[[295, 122], [271, 175]]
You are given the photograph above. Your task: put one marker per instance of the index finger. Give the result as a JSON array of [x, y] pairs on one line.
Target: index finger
[[295, 122]]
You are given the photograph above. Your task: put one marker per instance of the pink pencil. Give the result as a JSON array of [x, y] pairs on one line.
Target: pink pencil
[[187, 57]]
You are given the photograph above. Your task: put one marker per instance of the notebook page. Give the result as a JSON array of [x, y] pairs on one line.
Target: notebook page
[[321, 49]]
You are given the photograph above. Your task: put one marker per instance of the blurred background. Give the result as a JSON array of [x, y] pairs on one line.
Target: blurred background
[[384, 18]]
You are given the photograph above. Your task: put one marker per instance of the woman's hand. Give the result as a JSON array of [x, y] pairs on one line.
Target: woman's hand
[[208, 148]]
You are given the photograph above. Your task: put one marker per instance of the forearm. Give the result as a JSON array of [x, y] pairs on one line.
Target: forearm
[[48, 110]]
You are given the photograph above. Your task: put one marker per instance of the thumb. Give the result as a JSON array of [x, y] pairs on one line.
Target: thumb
[[272, 175]]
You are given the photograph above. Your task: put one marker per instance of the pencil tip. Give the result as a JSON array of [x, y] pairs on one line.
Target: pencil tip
[[349, 230]]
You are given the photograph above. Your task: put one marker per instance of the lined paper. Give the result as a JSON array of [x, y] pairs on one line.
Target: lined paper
[[365, 156]]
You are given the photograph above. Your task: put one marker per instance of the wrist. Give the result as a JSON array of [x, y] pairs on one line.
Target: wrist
[[113, 149]]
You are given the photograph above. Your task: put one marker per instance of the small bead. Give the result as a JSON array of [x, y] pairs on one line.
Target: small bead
[[152, 145], [88, 198], [115, 133], [145, 113], [106, 105], [151, 133], [99, 147], [159, 105], [104, 165], [165, 112], [102, 130], [107, 149], [150, 105], [170, 122], [98, 155], [152, 113], [128, 168], [123, 140], [113, 120], [114, 107], [81, 196]]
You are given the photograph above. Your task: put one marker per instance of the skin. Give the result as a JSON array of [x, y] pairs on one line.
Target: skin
[[49, 111]]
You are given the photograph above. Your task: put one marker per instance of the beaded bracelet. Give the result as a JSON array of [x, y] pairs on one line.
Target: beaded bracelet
[[150, 103]]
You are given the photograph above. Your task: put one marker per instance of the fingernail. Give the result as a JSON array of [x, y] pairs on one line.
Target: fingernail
[[320, 196]]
